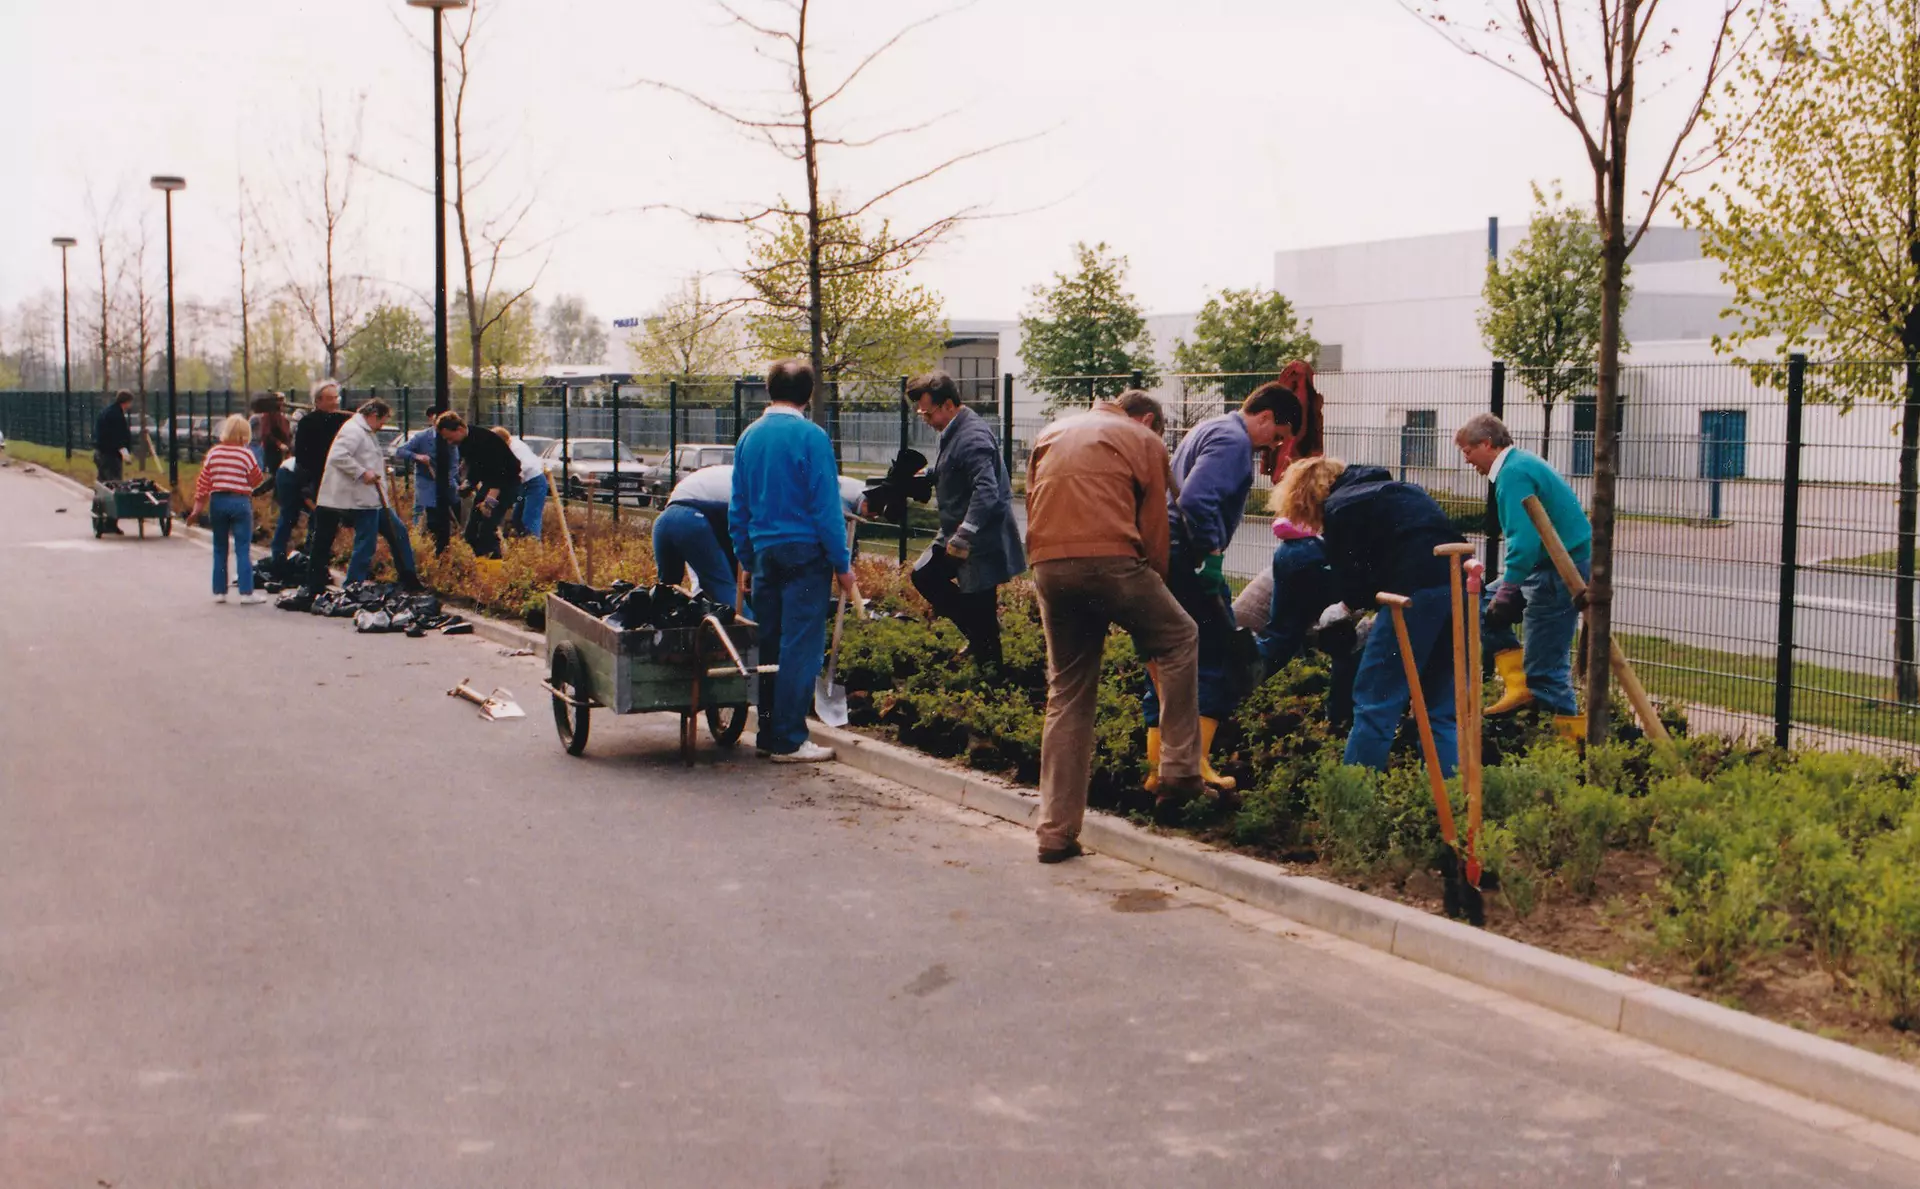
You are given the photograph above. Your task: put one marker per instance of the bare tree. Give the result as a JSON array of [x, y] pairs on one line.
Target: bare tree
[[798, 131], [486, 244], [327, 294], [1587, 57], [688, 336], [102, 231], [246, 291]]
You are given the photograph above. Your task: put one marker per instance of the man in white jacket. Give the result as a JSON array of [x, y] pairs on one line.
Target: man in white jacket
[[353, 490]]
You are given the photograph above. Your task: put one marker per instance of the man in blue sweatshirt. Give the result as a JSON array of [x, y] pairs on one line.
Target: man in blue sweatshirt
[[790, 533], [1212, 475], [1529, 590]]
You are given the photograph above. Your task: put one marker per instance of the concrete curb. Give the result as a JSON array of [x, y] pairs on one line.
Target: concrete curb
[[1867, 1084]]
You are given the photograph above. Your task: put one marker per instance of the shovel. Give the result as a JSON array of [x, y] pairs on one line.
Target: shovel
[[493, 707], [829, 696]]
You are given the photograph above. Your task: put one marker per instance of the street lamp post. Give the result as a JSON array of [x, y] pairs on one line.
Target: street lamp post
[[440, 521], [167, 185], [63, 242]]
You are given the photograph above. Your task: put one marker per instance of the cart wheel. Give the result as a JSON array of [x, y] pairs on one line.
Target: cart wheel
[[166, 526], [725, 723], [570, 720]]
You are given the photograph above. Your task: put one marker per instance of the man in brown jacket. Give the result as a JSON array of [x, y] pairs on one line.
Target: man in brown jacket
[[1097, 539]]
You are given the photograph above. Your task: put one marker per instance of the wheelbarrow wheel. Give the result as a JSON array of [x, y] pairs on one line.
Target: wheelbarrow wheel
[[570, 711], [725, 723]]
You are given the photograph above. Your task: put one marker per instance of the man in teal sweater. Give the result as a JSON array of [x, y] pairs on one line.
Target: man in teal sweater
[[1529, 591], [789, 532]]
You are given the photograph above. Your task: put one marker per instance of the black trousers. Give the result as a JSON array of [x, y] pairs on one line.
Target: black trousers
[[440, 521], [483, 529], [323, 525], [975, 613]]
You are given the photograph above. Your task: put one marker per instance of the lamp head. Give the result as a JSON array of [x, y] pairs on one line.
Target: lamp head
[[168, 182], [64, 241]]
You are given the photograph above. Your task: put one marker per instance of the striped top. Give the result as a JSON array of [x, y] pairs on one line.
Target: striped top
[[228, 468]]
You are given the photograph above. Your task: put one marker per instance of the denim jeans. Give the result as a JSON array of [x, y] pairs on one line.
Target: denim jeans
[[682, 537], [530, 513], [286, 493], [1380, 693], [369, 525], [230, 517], [1210, 606], [1549, 622], [792, 596]]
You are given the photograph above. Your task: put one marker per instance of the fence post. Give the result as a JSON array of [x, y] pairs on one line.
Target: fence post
[[906, 428], [616, 452], [520, 409], [673, 433], [66, 406], [1136, 379], [739, 409], [1006, 422], [833, 420], [1497, 405], [1789, 552]]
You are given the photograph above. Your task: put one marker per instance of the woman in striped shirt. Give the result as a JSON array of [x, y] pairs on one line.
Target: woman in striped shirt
[[224, 499]]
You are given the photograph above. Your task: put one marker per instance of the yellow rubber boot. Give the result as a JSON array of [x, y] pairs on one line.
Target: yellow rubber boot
[[1208, 728], [1510, 666], [1153, 758], [1571, 727]]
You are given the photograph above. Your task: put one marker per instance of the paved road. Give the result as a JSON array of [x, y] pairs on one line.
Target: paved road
[[278, 913]]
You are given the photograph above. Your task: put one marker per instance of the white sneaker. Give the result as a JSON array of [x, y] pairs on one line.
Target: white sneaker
[[809, 753], [219, 598], [254, 598]]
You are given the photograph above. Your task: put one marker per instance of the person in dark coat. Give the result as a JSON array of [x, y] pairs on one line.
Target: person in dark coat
[[493, 474], [296, 487], [978, 547], [1380, 535], [1212, 476], [113, 443]]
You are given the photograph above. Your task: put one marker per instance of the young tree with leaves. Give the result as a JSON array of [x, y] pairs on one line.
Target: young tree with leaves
[[1085, 333], [392, 348], [574, 335], [513, 345], [863, 324], [1542, 312], [1244, 336], [1817, 222], [1595, 61], [277, 359]]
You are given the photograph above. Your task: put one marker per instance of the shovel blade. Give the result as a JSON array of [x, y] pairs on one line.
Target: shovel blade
[[830, 702]]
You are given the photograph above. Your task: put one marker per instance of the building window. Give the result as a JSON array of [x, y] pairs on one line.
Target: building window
[[1420, 439]]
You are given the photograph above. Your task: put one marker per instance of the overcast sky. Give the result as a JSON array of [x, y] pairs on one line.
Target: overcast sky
[[1195, 136]]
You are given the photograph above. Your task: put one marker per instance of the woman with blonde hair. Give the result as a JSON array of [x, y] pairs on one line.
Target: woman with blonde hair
[[1380, 536], [223, 497]]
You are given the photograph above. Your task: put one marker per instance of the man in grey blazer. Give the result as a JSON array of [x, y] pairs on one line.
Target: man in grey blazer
[[979, 544]]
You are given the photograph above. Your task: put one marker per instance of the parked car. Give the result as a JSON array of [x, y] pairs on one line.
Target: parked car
[[537, 444], [585, 465], [687, 459], [196, 433]]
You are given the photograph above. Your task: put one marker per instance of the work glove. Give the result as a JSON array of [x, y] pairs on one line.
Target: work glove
[[1340, 638], [1210, 569], [1335, 613], [1507, 606]]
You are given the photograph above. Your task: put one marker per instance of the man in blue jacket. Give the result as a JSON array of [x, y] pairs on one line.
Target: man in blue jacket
[[428, 490], [978, 547], [790, 534], [1529, 590], [1212, 476]]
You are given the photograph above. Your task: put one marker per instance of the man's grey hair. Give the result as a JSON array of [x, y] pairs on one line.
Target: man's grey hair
[[321, 385], [1484, 427]]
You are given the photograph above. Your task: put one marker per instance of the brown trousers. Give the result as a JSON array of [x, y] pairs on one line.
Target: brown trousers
[[1079, 599]]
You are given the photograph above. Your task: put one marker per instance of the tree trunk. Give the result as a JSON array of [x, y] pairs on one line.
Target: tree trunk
[[815, 312], [1906, 676]]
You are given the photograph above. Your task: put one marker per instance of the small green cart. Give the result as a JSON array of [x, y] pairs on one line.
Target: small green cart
[[707, 668], [147, 501]]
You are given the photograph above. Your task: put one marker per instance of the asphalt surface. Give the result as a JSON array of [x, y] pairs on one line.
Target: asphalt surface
[[275, 911]]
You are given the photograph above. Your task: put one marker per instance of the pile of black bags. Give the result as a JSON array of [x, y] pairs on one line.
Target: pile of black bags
[[378, 607], [632, 608]]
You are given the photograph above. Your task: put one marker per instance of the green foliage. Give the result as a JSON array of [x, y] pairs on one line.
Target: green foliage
[[1814, 218], [1246, 335], [277, 362], [393, 348], [1085, 324], [875, 324], [511, 345], [1543, 305], [688, 337], [574, 335]]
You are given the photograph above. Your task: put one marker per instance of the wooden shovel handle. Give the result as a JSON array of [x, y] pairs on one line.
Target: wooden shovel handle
[[1442, 808]]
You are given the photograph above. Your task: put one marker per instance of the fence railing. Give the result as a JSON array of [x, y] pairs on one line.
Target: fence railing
[[1758, 545]]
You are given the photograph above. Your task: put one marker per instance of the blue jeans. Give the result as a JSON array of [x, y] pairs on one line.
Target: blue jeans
[[230, 517], [369, 525], [1550, 622], [1210, 606], [1380, 693], [792, 595], [286, 493], [682, 537], [530, 513]]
